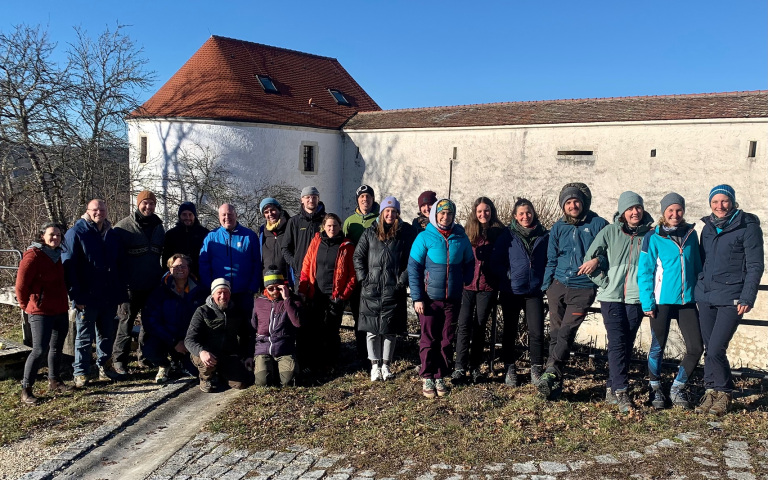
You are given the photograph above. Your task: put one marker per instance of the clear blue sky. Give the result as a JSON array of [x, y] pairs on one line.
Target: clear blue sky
[[429, 53]]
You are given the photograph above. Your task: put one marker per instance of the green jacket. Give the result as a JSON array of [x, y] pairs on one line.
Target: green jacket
[[619, 254], [355, 224]]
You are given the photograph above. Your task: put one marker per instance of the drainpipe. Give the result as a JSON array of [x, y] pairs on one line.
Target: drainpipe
[[450, 171]]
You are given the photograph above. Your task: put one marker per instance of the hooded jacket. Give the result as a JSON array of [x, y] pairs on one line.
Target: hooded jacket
[[40, 285], [343, 274], [299, 232], [186, 240], [167, 314], [90, 259], [619, 255], [439, 267], [568, 243], [667, 272], [355, 224], [140, 252], [275, 323], [220, 332], [382, 271], [272, 247], [732, 261], [515, 270], [235, 256]]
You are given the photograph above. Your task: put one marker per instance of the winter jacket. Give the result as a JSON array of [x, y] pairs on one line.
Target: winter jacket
[[382, 271], [619, 255], [275, 323], [481, 279], [732, 261], [234, 256], [513, 268], [566, 249], [272, 248], [91, 265], [299, 232], [167, 314], [186, 240], [343, 275], [419, 223], [439, 267], [226, 332], [41, 288], [667, 273], [140, 253], [355, 224]]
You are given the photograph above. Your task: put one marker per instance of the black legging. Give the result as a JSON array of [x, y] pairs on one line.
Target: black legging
[[48, 334], [533, 306], [688, 321]]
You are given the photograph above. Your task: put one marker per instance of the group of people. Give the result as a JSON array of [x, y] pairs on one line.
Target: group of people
[[242, 307]]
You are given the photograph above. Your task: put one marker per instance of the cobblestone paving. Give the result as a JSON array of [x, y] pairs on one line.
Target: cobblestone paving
[[208, 456]]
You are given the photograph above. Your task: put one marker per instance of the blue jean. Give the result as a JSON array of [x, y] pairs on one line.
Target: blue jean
[[621, 320], [93, 323], [718, 324]]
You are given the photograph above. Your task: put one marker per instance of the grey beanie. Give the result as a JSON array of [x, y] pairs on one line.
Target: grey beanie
[[220, 283], [671, 199], [310, 191], [629, 199], [570, 191]]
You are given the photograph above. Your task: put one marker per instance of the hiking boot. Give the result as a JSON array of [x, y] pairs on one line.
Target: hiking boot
[[440, 387], [477, 376], [162, 375], [657, 397], [57, 386], [106, 375], [550, 387], [680, 397], [706, 401], [206, 386], [610, 397], [624, 402], [510, 379], [119, 371], [536, 371], [81, 381], [386, 374], [721, 403], [459, 377], [428, 389], [27, 398], [376, 373]]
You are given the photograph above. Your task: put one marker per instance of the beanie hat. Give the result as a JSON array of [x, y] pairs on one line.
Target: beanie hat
[[629, 199], [389, 202], [273, 276], [145, 195], [724, 189], [269, 201], [427, 198], [220, 283], [187, 207], [575, 190], [364, 189], [310, 191], [671, 199], [445, 204]]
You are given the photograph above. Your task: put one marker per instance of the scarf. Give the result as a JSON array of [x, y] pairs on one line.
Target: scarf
[[148, 221], [53, 253], [721, 223], [272, 226], [527, 235], [676, 233]]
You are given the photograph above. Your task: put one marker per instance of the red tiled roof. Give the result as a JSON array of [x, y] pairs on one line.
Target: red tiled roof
[[219, 82], [623, 109]]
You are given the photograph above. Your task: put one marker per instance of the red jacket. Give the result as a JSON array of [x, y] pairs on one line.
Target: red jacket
[[40, 285], [344, 278]]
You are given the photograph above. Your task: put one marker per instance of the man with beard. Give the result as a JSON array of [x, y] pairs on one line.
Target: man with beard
[[186, 237], [301, 229]]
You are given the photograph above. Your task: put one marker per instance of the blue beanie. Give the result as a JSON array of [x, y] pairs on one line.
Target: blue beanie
[[269, 201], [726, 190], [188, 207]]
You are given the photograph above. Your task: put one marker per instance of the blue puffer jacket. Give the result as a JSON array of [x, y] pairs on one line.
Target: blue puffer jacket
[[514, 269], [235, 256], [90, 265], [666, 274], [565, 253], [167, 314], [438, 268], [733, 261]]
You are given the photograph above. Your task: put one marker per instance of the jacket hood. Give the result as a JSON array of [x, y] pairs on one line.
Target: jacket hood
[[168, 281], [209, 301], [742, 218], [433, 215], [106, 225], [319, 212]]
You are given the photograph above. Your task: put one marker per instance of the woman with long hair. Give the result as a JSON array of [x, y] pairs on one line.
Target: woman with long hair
[[381, 263], [479, 297], [42, 292]]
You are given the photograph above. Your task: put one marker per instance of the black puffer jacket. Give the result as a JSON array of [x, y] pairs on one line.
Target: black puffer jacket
[[382, 270], [186, 240], [220, 332]]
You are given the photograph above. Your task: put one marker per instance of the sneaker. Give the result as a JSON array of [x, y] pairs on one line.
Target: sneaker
[[206, 386], [706, 401], [721, 403], [458, 377], [610, 397], [536, 371], [657, 397], [81, 381], [440, 387], [386, 374], [550, 387], [477, 376], [376, 373], [162, 375], [624, 402], [428, 389], [680, 397], [510, 379]]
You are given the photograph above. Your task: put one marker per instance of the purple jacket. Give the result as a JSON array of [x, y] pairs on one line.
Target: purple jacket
[[275, 324]]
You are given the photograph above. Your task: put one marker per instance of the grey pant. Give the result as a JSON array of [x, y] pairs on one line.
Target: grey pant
[[265, 367], [381, 347]]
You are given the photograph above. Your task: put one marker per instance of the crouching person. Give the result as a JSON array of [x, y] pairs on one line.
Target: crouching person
[[219, 340], [276, 316]]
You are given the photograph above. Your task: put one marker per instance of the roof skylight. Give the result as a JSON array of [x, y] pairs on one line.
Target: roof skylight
[[339, 97], [267, 84]]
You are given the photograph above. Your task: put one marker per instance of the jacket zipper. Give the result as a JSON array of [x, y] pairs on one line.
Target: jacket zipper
[[447, 265], [626, 276], [271, 326]]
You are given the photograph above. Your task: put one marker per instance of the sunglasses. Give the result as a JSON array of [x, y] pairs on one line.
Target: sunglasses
[[273, 288]]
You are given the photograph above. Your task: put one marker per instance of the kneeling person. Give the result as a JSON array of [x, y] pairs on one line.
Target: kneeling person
[[275, 318], [219, 340]]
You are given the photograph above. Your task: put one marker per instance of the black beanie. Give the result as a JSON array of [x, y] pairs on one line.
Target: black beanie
[[188, 207]]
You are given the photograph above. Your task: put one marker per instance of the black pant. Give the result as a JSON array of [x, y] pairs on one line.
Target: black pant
[[361, 346], [718, 324], [126, 315], [621, 320], [318, 341], [533, 306], [567, 310], [157, 351], [688, 321], [470, 335], [48, 335]]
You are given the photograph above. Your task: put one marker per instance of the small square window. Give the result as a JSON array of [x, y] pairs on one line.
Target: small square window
[[143, 149], [653, 153], [267, 84], [339, 97], [752, 149]]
